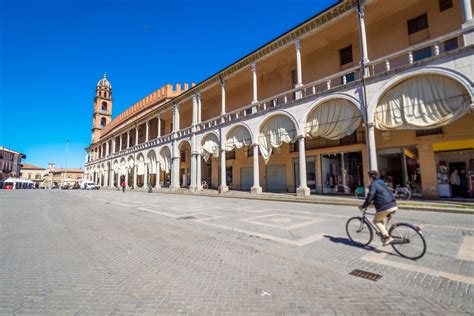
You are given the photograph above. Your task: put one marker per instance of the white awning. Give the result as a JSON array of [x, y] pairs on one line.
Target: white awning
[[238, 138], [278, 130], [165, 160], [333, 119], [210, 148], [427, 101]]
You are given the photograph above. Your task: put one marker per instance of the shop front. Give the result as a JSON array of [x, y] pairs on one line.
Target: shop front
[[400, 166], [341, 173], [455, 169], [310, 173]]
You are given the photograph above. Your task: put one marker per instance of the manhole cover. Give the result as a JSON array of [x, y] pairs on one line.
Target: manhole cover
[[186, 217], [366, 275]]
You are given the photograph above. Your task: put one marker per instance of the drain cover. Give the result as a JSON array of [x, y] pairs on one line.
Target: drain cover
[[366, 275], [186, 217]]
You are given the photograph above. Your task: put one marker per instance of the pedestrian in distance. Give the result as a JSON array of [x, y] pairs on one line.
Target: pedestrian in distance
[[123, 186]]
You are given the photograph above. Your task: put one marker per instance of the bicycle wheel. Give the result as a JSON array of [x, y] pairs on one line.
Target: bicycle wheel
[[408, 241], [358, 231]]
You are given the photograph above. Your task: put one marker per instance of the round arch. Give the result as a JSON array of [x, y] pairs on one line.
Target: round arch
[[333, 118], [412, 74], [164, 157], [238, 136], [209, 145], [275, 130]]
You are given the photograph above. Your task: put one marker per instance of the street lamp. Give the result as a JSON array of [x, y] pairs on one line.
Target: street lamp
[[67, 151]]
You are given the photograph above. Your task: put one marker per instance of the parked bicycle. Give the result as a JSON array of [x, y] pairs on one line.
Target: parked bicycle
[[401, 193], [408, 239], [204, 184]]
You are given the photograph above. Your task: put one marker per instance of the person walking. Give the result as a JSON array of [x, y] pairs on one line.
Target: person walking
[[123, 186]]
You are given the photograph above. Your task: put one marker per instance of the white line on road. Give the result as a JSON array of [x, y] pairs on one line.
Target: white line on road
[[379, 258]]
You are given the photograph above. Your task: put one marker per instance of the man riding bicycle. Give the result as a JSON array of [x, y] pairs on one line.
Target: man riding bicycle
[[384, 203]]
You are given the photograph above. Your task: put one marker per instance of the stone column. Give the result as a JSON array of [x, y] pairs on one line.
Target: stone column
[[363, 38], [145, 177], [199, 108], [128, 139], [159, 125], [135, 175], [147, 127], [256, 188], [120, 142], [198, 172], [372, 149], [222, 97], [175, 167], [195, 110], [254, 83], [467, 21], [175, 117], [192, 186], [136, 136], [223, 185], [303, 189], [158, 175], [299, 73], [127, 173], [466, 10]]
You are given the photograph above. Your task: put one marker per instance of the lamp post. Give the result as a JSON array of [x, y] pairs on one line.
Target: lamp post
[[67, 151]]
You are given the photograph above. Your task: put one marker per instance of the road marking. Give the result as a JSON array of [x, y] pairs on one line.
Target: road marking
[[452, 227], [379, 257], [300, 242], [308, 221], [466, 251], [118, 203], [166, 214]]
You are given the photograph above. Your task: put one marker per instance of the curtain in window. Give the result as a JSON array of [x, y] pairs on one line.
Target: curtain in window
[[210, 148], [278, 130], [238, 137], [333, 119], [428, 101]]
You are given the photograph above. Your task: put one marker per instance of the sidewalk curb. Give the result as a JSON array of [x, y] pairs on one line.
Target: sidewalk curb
[[324, 202]]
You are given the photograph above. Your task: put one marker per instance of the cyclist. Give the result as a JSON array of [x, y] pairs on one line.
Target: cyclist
[[384, 203]]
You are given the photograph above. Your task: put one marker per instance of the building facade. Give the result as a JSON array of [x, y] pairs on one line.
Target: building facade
[[33, 173], [382, 85], [10, 163]]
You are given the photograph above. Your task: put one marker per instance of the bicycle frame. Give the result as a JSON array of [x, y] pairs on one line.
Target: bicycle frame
[[388, 225]]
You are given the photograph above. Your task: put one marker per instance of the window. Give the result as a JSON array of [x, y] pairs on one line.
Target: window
[[230, 155], [182, 156], [445, 5], [345, 55], [294, 78], [422, 53], [103, 121], [104, 106], [451, 44], [417, 24], [431, 131]]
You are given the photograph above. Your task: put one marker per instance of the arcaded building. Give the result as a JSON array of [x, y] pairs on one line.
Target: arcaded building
[[384, 85]]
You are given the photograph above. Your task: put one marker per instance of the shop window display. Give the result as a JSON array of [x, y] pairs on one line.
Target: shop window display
[[400, 167], [342, 173], [455, 173]]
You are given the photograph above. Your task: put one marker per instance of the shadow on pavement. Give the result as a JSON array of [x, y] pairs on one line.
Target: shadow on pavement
[[348, 242]]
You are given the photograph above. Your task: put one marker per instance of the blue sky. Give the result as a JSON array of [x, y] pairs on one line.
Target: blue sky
[[53, 52]]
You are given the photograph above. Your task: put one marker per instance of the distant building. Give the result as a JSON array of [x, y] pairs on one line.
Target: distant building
[[10, 162], [56, 176], [33, 173]]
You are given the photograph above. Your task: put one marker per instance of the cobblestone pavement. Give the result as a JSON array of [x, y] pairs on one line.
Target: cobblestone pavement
[[105, 252]]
